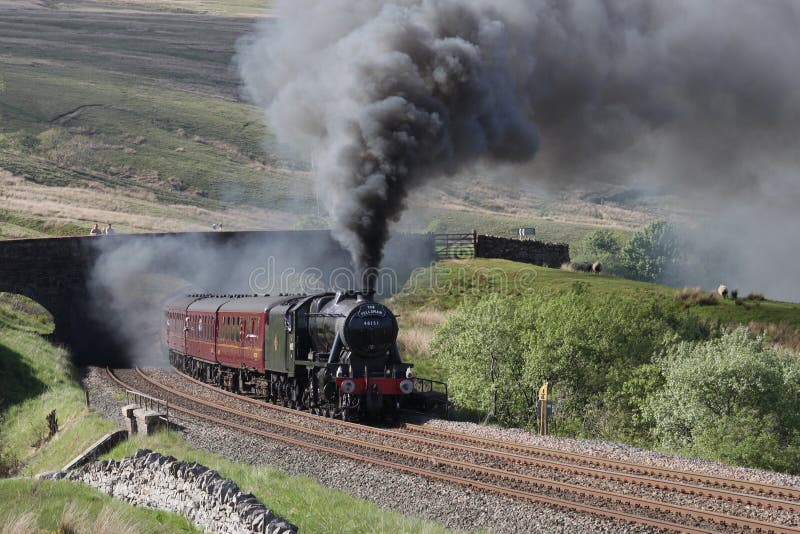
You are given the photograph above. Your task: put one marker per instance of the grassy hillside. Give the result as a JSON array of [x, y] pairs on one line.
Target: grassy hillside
[[129, 111], [428, 298], [35, 378], [133, 118]]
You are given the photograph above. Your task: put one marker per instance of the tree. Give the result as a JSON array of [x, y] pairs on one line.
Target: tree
[[652, 252], [735, 398], [482, 349], [602, 243]]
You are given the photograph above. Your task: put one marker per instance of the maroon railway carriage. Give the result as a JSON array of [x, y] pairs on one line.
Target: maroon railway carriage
[[334, 354]]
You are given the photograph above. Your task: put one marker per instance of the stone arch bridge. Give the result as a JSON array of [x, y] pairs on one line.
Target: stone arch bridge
[[90, 284]]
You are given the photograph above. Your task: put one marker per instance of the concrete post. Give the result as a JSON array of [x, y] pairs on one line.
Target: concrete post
[[130, 419], [147, 421]]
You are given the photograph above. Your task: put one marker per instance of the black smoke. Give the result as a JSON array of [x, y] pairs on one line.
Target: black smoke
[[388, 96], [700, 97]]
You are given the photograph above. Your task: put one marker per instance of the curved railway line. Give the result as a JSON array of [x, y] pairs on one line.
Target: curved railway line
[[498, 466]]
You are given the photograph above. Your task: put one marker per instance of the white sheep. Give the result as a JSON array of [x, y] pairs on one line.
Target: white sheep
[[722, 290]]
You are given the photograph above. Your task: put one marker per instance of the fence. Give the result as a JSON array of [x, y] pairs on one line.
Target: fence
[[432, 394], [148, 402], [455, 246]]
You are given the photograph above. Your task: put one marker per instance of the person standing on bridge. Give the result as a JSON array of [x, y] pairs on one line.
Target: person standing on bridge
[[109, 230], [96, 230]]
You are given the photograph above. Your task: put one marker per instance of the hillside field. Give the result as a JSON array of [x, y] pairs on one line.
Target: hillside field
[[131, 112], [433, 293]]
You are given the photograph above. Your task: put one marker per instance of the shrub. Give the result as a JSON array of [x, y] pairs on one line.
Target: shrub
[[755, 296], [597, 349], [696, 297], [601, 243], [482, 348], [651, 252], [733, 399]]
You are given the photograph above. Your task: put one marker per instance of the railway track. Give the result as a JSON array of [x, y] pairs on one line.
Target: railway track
[[467, 471], [778, 496], [724, 489]]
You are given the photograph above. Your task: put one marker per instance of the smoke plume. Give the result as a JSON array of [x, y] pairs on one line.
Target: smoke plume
[[387, 95]]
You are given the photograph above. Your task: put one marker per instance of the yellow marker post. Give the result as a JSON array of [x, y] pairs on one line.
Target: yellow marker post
[[543, 409]]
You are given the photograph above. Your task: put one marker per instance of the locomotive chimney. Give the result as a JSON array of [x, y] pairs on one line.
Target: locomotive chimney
[[369, 278]]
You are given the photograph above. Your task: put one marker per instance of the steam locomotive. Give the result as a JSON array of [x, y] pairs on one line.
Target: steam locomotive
[[334, 354]]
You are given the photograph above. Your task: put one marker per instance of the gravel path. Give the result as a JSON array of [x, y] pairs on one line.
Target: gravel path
[[452, 506]]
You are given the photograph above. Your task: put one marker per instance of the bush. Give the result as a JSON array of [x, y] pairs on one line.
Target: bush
[[735, 399], [595, 351], [697, 296], [598, 350], [651, 252], [601, 243], [481, 346]]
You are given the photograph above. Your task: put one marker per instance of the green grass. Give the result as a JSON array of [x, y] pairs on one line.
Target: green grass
[[302, 501], [39, 226], [175, 144], [51, 502], [36, 378], [444, 285]]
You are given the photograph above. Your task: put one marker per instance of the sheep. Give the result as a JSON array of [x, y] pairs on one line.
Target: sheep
[[597, 267], [723, 291]]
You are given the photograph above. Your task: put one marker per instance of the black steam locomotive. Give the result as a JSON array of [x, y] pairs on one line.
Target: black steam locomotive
[[334, 354]]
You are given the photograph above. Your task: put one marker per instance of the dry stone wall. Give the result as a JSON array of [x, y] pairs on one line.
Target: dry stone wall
[[209, 501], [522, 250]]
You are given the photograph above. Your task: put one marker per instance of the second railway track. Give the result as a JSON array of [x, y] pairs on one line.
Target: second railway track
[[731, 490], [421, 455]]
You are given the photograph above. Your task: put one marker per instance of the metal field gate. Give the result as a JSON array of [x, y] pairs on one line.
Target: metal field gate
[[455, 246]]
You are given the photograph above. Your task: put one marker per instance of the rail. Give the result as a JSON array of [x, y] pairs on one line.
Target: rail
[[688, 514]]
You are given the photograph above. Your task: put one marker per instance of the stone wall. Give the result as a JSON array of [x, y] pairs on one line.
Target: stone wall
[[210, 502], [522, 250]]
